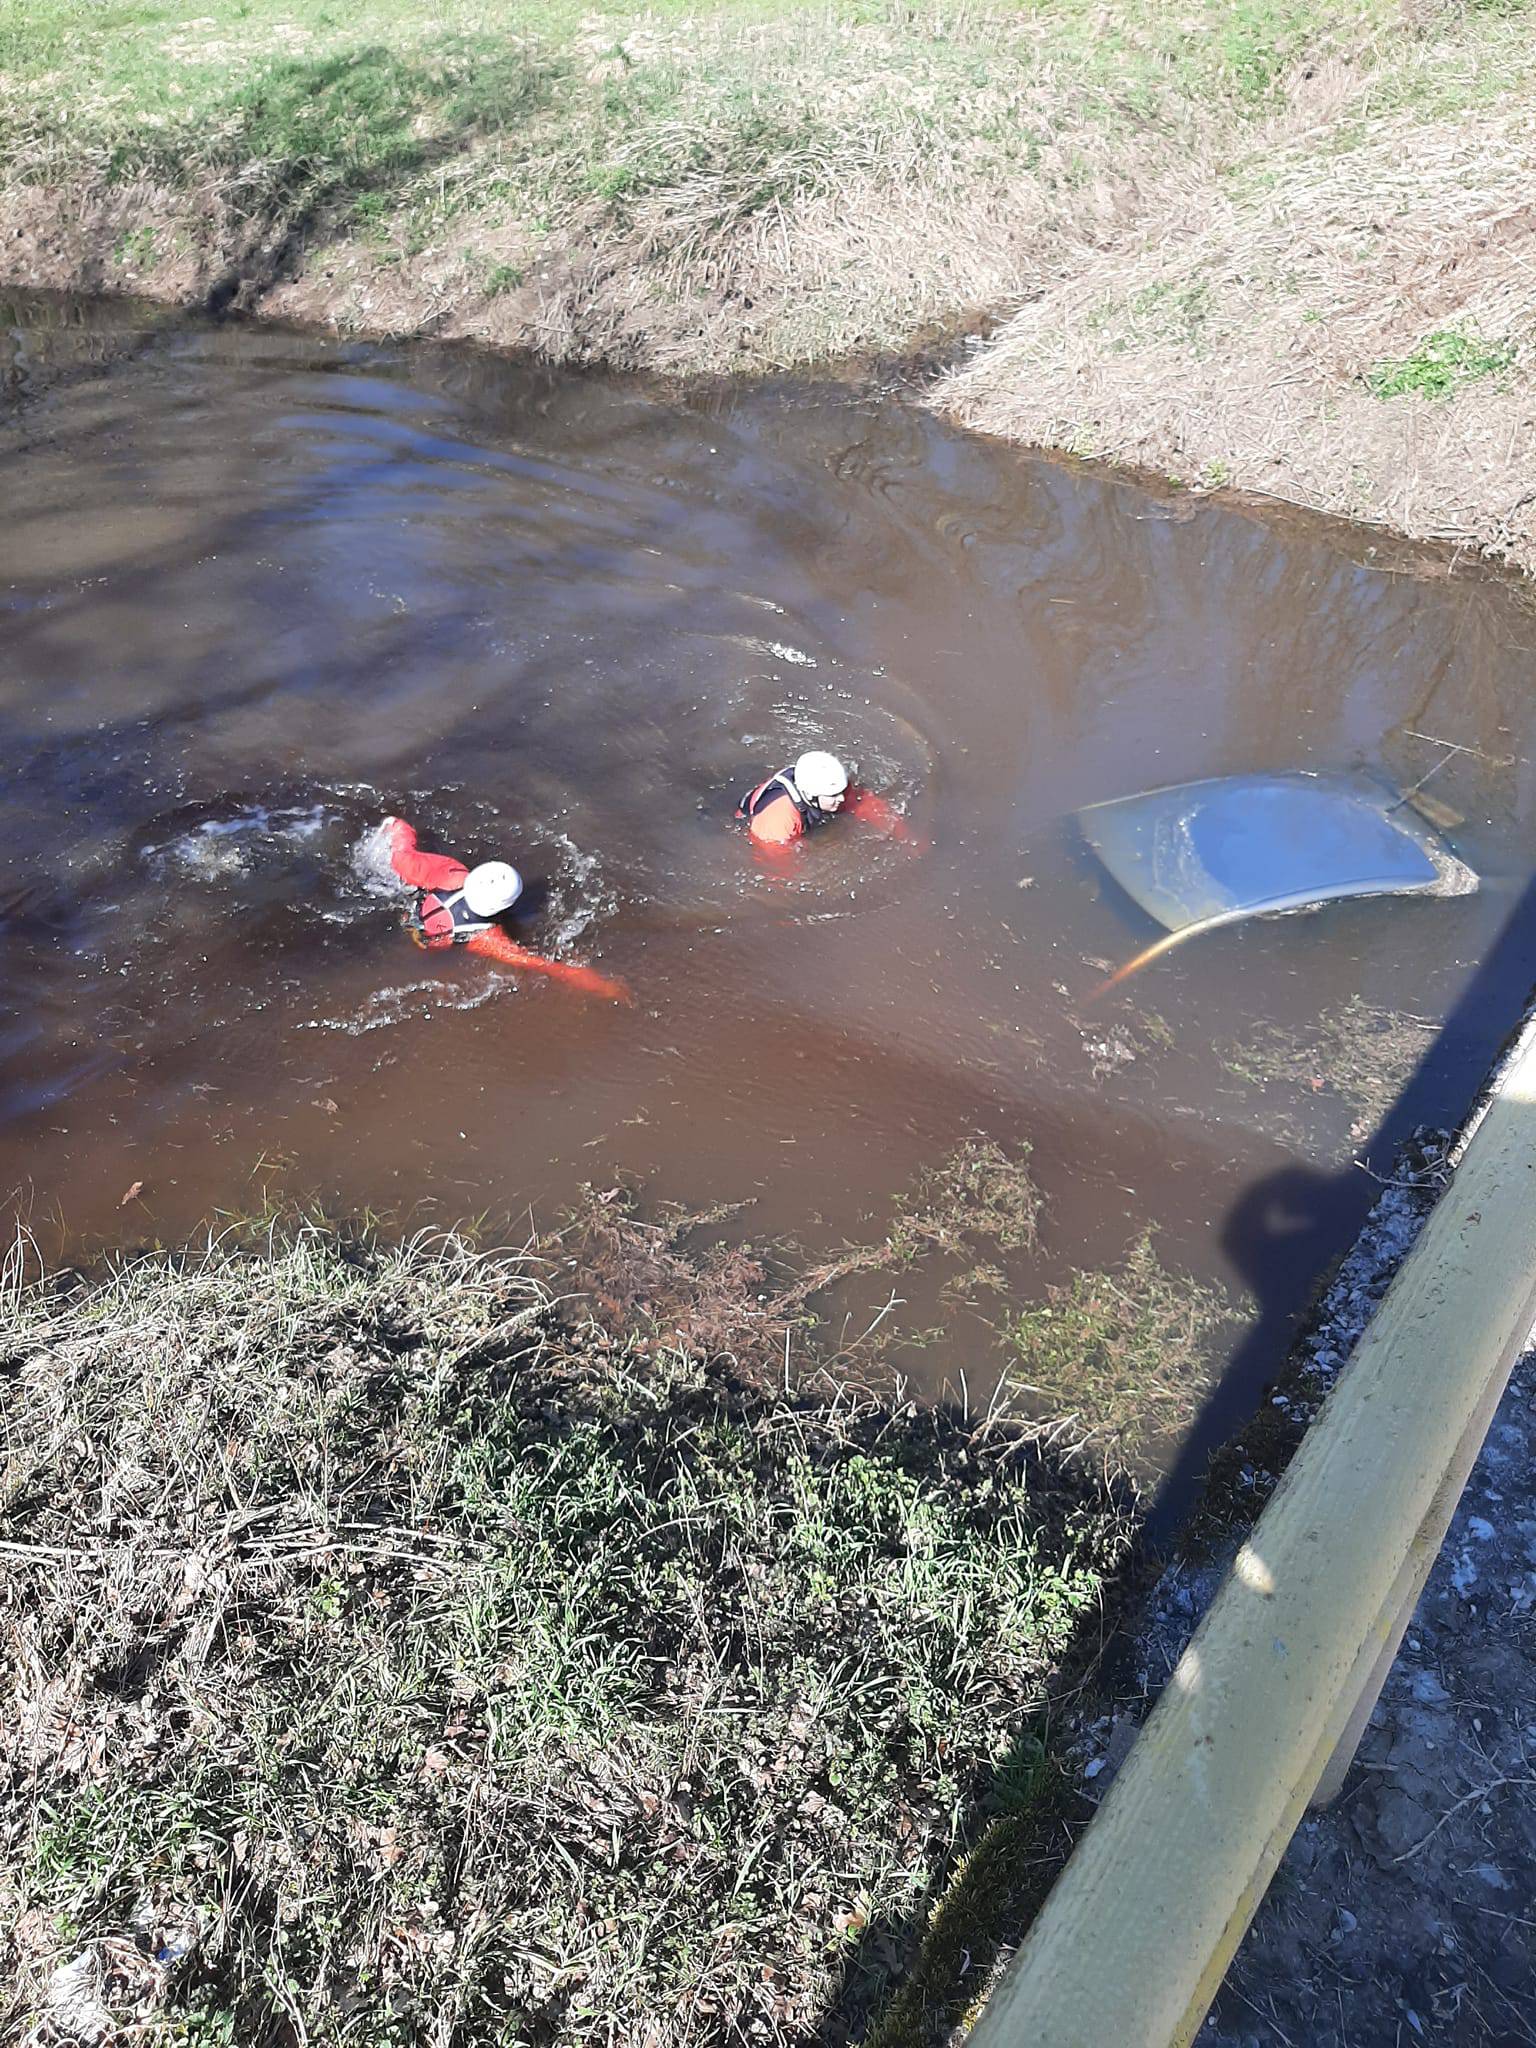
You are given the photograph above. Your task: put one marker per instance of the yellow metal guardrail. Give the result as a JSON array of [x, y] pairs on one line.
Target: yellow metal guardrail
[[1262, 1714]]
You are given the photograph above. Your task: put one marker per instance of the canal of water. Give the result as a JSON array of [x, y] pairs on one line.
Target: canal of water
[[258, 589]]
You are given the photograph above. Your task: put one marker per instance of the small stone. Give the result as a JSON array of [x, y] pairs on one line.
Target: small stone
[[1121, 1737], [1400, 1823], [1301, 1855]]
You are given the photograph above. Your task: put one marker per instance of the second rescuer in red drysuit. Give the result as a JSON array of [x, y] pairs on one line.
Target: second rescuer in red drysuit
[[458, 906], [797, 800]]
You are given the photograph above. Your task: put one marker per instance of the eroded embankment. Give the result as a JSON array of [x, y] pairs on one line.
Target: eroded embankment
[[1272, 247], [396, 1649]]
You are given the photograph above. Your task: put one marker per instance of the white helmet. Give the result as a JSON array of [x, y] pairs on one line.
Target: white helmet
[[492, 888], [819, 776]]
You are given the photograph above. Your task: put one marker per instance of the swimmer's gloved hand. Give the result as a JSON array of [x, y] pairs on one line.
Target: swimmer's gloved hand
[[874, 810]]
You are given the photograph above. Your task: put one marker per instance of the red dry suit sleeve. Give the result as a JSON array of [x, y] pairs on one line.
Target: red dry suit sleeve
[[870, 809], [421, 870], [495, 945]]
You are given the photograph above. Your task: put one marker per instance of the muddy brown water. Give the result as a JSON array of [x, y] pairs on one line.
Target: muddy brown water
[[258, 588]]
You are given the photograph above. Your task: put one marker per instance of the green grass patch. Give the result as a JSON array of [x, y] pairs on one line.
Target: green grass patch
[[395, 1657], [1442, 363], [311, 100]]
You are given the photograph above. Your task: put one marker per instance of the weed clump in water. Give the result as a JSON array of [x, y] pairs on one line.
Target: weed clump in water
[[394, 1654], [723, 1297], [979, 1192], [1120, 1359], [1357, 1054]]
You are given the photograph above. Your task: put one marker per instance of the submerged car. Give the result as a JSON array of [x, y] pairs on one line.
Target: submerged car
[[1204, 854]]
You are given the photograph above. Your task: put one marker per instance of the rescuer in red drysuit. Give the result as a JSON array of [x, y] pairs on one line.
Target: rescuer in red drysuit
[[458, 906], [813, 792]]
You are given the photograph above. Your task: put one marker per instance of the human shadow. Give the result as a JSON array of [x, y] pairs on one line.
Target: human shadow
[[1286, 1232]]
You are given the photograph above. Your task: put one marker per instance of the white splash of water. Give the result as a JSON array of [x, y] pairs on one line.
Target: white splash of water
[[371, 863], [219, 847], [779, 649], [791, 654], [411, 1000], [579, 898]]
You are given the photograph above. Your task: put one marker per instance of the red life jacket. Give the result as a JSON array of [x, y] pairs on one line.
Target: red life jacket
[[779, 789], [438, 920]]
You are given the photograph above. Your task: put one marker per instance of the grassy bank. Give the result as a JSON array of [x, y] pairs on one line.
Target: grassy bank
[[744, 185], [1337, 308], [1246, 242], [395, 1656]]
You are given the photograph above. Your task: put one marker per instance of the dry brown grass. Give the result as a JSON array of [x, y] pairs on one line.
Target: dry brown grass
[[1232, 333], [389, 1658]]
